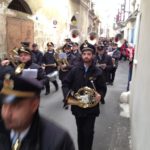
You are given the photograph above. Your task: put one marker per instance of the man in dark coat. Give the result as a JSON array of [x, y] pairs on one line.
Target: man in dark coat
[[22, 127], [104, 61], [25, 57], [76, 56], [87, 74], [50, 65], [66, 66], [37, 55], [115, 59]]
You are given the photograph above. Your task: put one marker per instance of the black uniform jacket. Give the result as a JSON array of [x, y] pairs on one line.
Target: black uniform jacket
[[77, 78], [43, 135], [48, 58], [37, 57], [105, 59]]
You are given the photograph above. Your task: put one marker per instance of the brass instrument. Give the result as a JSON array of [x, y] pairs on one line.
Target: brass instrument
[[84, 98], [19, 68], [12, 56], [75, 35], [92, 38], [49, 65], [61, 59]]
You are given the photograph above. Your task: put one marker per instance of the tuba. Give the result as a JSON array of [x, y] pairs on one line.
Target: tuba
[[84, 98], [75, 36], [92, 38]]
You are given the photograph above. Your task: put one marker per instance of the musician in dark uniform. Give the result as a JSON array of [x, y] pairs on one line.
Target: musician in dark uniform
[[25, 58], [76, 56], [86, 74], [37, 55], [65, 67], [50, 65], [23, 128], [104, 61], [86, 43]]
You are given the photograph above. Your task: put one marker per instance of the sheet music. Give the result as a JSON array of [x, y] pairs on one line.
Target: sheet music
[[29, 73]]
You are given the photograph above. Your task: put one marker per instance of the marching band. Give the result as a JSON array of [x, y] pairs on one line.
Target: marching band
[[83, 69]]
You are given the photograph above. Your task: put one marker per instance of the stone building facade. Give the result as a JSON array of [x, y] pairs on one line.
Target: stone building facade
[[40, 21]]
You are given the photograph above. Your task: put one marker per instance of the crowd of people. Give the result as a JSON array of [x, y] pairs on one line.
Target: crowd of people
[[26, 72]]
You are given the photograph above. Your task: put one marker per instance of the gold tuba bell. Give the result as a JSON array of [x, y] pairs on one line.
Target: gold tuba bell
[[84, 98]]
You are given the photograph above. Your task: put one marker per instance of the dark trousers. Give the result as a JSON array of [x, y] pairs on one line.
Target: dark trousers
[[129, 77], [47, 85], [85, 128], [112, 74]]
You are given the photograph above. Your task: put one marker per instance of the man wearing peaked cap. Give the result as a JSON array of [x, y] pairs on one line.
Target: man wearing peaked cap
[[50, 65], [67, 46], [84, 75], [37, 56], [86, 44], [26, 60], [50, 44], [25, 44], [24, 50], [22, 127]]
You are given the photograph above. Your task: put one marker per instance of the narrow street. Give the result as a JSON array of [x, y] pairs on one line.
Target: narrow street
[[111, 130]]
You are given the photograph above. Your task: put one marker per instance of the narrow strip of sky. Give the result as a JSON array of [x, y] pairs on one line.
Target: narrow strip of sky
[[107, 9]]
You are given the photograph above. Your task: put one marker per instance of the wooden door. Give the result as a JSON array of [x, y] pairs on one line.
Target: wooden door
[[19, 30]]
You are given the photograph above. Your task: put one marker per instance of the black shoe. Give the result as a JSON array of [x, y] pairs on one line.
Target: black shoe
[[111, 83], [57, 88], [66, 107], [47, 93]]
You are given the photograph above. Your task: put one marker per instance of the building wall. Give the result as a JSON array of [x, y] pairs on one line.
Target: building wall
[[45, 13], [84, 12], [140, 95], [129, 31], [2, 35]]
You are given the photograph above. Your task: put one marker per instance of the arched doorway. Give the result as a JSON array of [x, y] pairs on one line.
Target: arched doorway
[[19, 28], [20, 5]]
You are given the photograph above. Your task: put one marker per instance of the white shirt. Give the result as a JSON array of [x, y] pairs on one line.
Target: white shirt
[[15, 135]]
